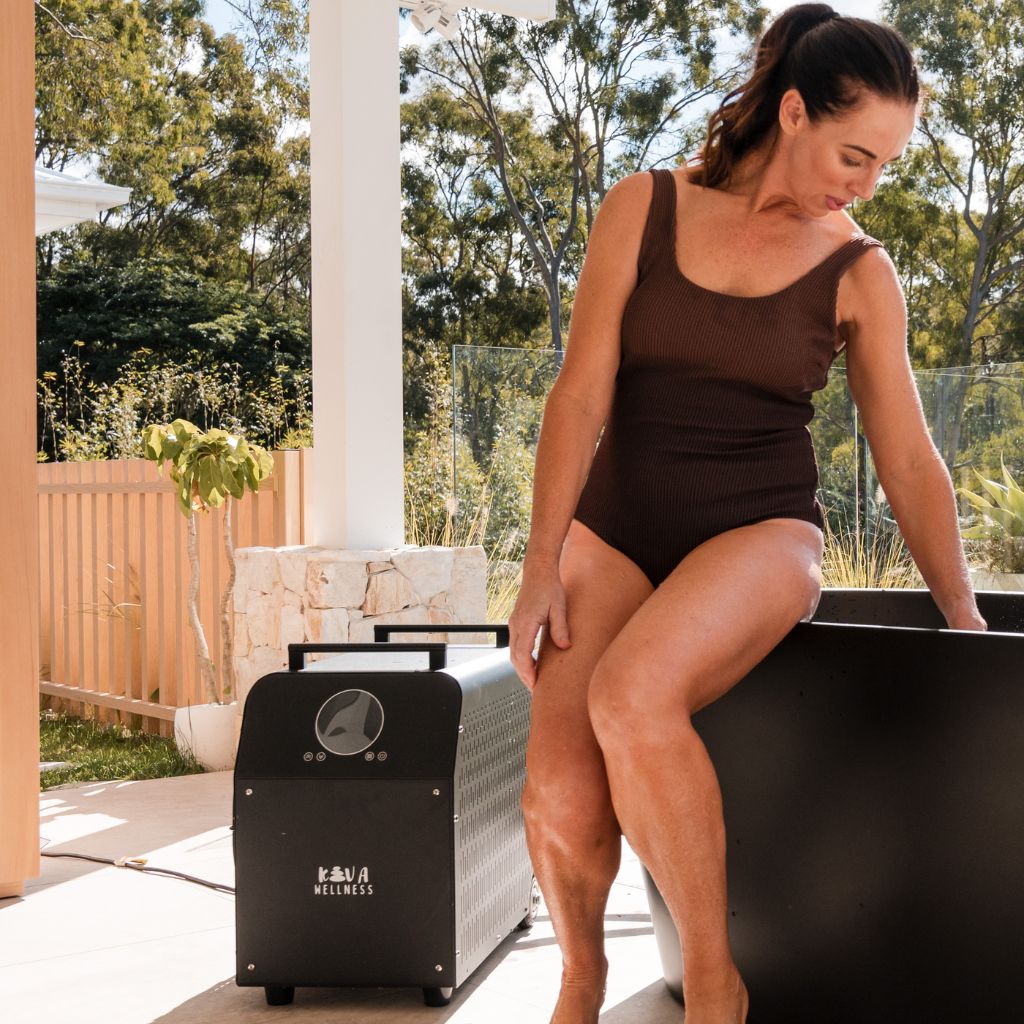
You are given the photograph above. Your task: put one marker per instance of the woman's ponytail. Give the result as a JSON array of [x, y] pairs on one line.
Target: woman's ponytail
[[826, 57]]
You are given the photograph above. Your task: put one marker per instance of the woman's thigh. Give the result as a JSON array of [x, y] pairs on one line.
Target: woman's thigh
[[603, 589], [726, 605]]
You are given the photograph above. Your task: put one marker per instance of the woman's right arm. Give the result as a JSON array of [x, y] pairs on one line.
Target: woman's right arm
[[575, 411]]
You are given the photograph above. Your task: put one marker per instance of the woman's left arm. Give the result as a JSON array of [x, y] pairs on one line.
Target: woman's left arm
[[910, 469]]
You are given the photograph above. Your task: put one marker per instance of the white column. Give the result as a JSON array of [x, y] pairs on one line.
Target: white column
[[357, 263]]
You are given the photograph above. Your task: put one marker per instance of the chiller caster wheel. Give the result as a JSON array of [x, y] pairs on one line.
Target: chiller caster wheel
[[279, 995], [531, 910], [437, 996]]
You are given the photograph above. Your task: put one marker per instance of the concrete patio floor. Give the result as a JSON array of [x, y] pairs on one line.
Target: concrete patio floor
[[93, 943]]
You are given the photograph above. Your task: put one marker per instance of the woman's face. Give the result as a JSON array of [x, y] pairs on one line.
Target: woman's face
[[837, 160]]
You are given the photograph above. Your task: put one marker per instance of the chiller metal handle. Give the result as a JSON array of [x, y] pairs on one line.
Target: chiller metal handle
[[297, 652], [381, 633]]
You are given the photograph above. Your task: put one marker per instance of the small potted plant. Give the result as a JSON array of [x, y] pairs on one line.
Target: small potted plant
[[1001, 527], [209, 468]]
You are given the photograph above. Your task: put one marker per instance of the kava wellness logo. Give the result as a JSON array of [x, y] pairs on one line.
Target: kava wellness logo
[[339, 881]]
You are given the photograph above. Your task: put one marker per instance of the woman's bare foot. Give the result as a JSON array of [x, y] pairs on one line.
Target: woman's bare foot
[[581, 995], [725, 1004]]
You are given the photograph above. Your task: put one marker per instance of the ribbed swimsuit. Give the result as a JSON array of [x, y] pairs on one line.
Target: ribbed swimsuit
[[708, 425]]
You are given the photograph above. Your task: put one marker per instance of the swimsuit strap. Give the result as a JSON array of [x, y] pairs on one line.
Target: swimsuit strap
[[659, 231], [848, 253]]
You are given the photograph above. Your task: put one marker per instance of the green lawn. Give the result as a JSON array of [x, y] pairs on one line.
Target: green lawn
[[98, 753]]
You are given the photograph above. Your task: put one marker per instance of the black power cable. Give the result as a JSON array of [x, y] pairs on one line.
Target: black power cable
[[139, 864]]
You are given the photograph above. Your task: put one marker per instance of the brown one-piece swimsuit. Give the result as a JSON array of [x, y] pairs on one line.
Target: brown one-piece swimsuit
[[708, 425]]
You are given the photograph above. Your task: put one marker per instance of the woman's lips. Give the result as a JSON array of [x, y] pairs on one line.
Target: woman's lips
[[834, 204]]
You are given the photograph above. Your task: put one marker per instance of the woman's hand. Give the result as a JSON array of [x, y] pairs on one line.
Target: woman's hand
[[968, 618], [962, 612], [541, 602]]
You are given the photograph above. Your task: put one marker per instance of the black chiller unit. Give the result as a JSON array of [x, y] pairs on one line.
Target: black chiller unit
[[871, 769], [378, 836]]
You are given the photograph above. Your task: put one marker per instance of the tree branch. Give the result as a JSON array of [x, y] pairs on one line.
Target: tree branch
[[71, 33]]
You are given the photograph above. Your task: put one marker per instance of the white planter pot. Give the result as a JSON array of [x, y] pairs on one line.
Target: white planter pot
[[208, 732], [983, 579]]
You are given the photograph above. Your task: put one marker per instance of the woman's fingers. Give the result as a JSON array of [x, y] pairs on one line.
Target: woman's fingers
[[541, 604], [522, 638], [558, 624]]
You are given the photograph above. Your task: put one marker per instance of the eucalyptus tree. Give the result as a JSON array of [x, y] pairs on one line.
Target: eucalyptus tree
[[973, 124], [466, 272], [913, 215], [606, 83], [205, 130], [463, 257]]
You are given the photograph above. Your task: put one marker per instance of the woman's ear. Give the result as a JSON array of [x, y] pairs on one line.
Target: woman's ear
[[792, 114]]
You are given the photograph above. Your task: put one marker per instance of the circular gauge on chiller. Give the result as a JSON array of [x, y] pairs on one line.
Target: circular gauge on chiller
[[349, 722]]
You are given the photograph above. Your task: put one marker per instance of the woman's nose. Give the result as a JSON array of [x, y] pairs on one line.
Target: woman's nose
[[865, 186]]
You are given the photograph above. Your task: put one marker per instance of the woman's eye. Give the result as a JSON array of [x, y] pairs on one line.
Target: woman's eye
[[849, 162]]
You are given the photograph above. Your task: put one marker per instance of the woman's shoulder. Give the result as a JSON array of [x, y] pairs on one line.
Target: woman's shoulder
[[627, 202], [870, 280], [621, 216], [632, 188], [639, 186]]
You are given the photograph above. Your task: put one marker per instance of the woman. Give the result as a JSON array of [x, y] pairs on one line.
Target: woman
[[661, 570]]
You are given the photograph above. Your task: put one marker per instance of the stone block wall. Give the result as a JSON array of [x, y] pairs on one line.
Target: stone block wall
[[319, 595]]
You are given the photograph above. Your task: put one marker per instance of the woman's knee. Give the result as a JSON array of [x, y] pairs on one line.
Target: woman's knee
[[567, 798], [630, 703]]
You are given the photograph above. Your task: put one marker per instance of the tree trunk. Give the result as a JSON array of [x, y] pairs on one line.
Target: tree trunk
[[956, 402], [555, 319], [227, 634], [205, 664]]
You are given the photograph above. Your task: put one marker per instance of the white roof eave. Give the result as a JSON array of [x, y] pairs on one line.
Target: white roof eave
[[63, 200]]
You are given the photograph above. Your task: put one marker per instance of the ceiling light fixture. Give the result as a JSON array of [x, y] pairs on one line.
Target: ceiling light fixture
[[442, 15]]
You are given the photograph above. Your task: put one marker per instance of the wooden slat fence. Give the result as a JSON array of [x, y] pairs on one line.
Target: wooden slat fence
[[114, 574]]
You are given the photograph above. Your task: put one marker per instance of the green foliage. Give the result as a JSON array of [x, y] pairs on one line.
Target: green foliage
[[207, 467], [438, 515], [451, 506], [913, 213], [167, 308], [973, 59], [82, 419], [1001, 522], [94, 752], [834, 435], [467, 272]]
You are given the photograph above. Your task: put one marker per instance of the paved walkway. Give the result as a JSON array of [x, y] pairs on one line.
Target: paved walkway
[[91, 943]]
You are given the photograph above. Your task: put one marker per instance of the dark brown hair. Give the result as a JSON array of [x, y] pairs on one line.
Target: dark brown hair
[[828, 58]]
